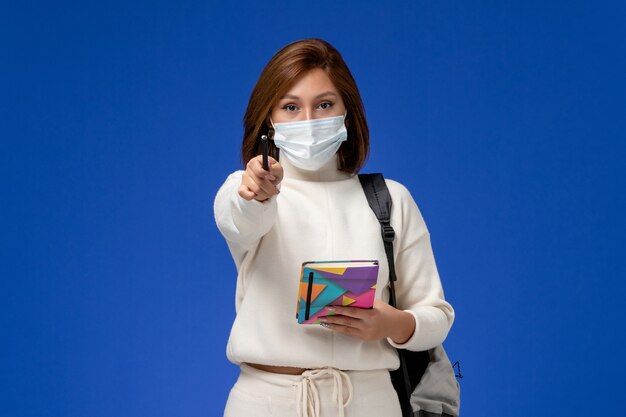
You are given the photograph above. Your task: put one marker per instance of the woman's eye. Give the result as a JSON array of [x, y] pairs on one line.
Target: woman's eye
[[290, 107], [326, 105]]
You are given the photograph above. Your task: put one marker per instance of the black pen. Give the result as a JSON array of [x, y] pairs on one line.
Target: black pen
[[264, 146]]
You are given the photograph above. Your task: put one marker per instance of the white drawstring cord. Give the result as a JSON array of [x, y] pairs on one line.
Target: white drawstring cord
[[308, 400]]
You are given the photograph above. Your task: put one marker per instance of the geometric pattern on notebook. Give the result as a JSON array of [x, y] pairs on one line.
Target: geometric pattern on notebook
[[346, 301], [317, 289], [335, 286]]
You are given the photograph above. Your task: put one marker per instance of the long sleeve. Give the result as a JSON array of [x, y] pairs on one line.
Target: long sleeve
[[418, 289], [241, 222]]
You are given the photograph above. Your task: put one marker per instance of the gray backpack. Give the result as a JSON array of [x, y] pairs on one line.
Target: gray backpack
[[425, 382]]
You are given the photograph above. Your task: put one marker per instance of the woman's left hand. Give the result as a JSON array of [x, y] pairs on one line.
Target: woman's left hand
[[377, 323]]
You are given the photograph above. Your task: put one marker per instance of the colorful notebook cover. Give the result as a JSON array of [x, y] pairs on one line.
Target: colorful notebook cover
[[342, 283]]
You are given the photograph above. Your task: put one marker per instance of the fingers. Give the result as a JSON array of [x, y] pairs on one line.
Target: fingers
[[245, 193], [276, 170], [358, 313], [255, 168], [344, 316], [256, 182], [357, 322], [346, 325], [250, 189], [343, 321], [342, 329], [261, 187]]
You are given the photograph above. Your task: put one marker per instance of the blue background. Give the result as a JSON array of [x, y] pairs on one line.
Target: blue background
[[120, 121]]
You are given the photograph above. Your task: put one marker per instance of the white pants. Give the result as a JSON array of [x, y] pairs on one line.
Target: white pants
[[325, 392]]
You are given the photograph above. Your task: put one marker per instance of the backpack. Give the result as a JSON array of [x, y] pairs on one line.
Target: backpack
[[425, 381]]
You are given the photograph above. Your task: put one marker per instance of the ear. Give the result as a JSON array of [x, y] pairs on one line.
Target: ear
[[270, 128]]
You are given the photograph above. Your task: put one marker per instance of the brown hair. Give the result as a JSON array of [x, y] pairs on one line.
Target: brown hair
[[280, 73]]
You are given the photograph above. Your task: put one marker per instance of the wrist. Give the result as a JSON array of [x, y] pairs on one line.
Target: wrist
[[403, 327]]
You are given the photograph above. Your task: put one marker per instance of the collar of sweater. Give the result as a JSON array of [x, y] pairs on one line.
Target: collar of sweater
[[328, 172]]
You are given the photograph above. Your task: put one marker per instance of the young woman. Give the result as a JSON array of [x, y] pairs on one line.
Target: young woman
[[308, 206]]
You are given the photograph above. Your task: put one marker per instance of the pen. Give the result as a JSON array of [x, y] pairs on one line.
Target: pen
[[264, 146]]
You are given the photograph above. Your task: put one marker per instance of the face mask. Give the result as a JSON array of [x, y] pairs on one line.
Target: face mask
[[309, 144]]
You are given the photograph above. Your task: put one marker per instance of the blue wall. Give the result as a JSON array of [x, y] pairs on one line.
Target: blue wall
[[120, 121]]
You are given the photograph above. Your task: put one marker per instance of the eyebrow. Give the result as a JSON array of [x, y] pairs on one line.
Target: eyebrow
[[326, 93]]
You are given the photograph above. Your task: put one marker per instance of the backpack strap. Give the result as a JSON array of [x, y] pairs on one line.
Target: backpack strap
[[379, 200], [411, 363]]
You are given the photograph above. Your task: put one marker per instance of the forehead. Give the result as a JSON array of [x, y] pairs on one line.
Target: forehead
[[312, 83]]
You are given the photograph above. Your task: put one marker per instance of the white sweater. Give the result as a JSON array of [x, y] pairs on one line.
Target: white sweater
[[323, 215]]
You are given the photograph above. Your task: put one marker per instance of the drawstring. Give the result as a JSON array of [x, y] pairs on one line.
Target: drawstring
[[308, 400]]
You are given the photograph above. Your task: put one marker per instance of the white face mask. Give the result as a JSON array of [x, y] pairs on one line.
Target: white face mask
[[309, 144]]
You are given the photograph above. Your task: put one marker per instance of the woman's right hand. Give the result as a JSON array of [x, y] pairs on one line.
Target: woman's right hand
[[258, 183]]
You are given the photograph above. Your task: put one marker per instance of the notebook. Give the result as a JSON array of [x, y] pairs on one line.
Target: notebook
[[342, 283]]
